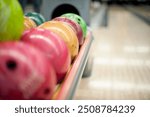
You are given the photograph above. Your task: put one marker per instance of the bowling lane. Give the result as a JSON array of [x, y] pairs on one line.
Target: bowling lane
[[141, 11], [121, 53]]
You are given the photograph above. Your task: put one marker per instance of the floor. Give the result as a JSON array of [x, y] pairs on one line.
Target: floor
[[121, 53]]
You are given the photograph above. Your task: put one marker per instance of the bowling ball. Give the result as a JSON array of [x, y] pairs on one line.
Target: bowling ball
[[25, 73], [75, 26], [28, 23], [53, 47], [66, 33], [36, 17], [11, 20], [77, 19]]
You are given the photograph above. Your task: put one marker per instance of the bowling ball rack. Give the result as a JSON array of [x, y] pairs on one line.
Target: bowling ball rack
[[66, 90]]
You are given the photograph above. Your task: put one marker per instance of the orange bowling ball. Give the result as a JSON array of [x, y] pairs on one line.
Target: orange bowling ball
[[28, 23], [66, 33]]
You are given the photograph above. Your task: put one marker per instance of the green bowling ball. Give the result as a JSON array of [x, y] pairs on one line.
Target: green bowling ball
[[77, 19]]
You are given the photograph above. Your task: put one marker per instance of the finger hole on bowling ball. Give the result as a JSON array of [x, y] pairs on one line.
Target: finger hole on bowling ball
[[79, 21], [46, 91], [11, 65]]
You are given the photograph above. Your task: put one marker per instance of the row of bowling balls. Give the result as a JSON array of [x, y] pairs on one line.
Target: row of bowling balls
[[32, 67]]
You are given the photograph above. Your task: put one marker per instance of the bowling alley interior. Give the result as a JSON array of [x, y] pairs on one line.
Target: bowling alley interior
[[113, 58]]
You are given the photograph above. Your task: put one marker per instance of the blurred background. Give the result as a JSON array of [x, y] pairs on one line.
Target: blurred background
[[121, 48]]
